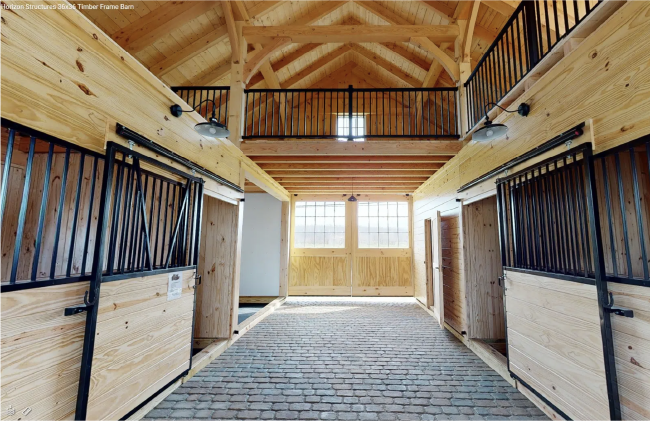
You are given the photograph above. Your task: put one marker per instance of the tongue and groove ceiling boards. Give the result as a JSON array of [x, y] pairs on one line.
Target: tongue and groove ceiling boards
[[186, 43]]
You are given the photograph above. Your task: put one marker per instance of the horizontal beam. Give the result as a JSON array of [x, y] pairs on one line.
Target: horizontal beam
[[346, 33], [333, 147], [347, 190], [379, 166], [326, 179], [350, 173], [343, 158]]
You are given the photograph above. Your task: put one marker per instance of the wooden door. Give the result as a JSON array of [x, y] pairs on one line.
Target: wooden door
[[320, 261], [382, 246], [437, 263], [483, 267], [429, 275]]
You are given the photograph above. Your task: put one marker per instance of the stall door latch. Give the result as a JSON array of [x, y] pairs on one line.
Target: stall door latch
[[80, 308], [619, 311]]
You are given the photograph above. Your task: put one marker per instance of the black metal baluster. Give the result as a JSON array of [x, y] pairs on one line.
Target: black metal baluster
[[41, 216], [518, 30], [5, 172], [62, 196], [125, 220], [89, 218], [610, 215], [638, 212], [23, 210], [73, 234], [160, 201], [273, 111], [167, 205], [622, 203], [110, 263], [565, 19]]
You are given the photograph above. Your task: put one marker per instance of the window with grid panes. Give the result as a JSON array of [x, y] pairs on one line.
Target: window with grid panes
[[383, 225], [343, 124], [320, 225]]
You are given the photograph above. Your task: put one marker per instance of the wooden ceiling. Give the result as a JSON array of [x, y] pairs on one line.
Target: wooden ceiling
[[186, 43]]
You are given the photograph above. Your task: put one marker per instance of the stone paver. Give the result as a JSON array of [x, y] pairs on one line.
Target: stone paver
[[347, 360]]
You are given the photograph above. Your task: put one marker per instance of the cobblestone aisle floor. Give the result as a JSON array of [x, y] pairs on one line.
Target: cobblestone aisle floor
[[347, 360]]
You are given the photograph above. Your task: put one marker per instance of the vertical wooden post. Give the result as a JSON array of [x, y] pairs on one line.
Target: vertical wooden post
[[237, 97], [285, 223], [462, 104]]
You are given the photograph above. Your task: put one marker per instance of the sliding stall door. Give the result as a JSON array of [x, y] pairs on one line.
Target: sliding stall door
[[321, 246]]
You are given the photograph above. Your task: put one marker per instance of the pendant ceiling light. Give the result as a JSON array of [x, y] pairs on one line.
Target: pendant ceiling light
[[211, 128], [352, 197], [492, 131]]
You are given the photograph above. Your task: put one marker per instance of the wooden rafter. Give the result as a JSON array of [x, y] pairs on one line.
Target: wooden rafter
[[293, 56], [315, 66], [143, 32], [262, 56], [209, 40], [423, 42], [230, 25], [467, 42], [407, 55], [386, 65], [441, 9], [345, 33], [505, 8]]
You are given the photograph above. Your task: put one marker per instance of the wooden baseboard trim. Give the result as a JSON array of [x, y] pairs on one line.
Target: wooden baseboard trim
[[257, 299]]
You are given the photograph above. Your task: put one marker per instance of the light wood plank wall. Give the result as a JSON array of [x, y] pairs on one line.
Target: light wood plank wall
[[41, 352], [143, 341], [483, 267], [555, 345]]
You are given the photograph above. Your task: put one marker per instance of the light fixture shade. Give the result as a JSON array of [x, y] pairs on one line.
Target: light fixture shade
[[212, 128], [490, 131], [352, 198]]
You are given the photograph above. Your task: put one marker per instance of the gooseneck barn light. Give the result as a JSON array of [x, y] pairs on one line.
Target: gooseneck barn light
[[211, 128], [492, 131]]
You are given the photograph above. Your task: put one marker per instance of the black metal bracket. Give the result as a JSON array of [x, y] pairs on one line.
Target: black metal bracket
[[610, 307], [80, 308]]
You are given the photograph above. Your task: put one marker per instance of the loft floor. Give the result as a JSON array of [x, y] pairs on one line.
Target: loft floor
[[347, 359]]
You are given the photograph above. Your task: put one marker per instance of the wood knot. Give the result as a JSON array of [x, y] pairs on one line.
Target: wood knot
[[593, 55], [85, 89], [80, 66]]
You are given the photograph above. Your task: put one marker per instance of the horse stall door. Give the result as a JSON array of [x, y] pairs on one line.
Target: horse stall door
[[454, 288], [429, 274], [483, 268], [217, 257]]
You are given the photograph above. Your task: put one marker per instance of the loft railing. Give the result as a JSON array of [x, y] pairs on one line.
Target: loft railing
[[205, 99], [349, 114], [345, 114], [527, 37]]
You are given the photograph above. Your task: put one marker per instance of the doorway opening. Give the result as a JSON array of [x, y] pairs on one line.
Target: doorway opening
[[261, 242]]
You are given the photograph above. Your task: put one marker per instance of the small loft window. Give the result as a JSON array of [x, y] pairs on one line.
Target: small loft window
[[343, 125]]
